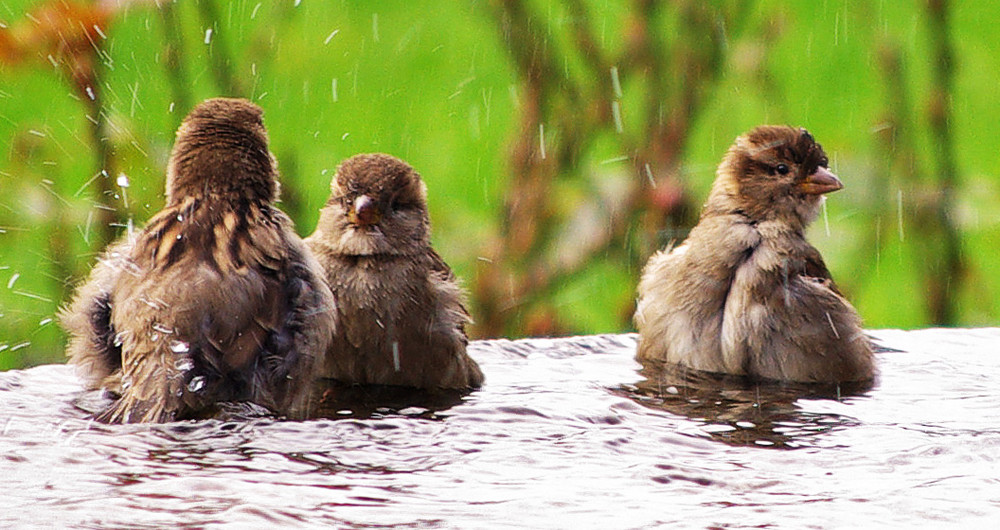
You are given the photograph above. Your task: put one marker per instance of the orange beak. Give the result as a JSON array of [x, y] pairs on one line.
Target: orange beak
[[365, 212], [820, 182]]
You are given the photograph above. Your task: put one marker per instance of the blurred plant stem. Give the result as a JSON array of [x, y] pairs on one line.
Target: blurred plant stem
[[944, 290], [938, 245], [563, 111], [222, 62], [173, 60]]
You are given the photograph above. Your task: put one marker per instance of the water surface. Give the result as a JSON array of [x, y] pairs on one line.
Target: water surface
[[566, 434]]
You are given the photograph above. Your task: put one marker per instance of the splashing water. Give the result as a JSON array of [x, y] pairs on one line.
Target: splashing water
[[184, 364], [196, 383]]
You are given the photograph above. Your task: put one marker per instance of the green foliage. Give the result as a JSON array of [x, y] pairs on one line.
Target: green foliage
[[431, 83]]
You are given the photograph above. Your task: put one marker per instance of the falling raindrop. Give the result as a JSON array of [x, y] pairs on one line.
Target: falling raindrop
[[395, 356], [541, 139], [616, 113], [13, 278], [208, 36], [826, 220], [834, 328], [330, 36], [184, 364], [179, 346], [122, 180], [899, 213]]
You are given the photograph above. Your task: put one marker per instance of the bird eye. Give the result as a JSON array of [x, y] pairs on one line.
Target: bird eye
[[782, 169]]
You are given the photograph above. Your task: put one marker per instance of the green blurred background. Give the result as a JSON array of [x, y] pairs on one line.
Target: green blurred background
[[562, 141]]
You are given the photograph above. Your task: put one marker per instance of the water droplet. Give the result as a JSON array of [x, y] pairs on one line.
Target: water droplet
[[541, 140], [10, 283], [184, 364], [119, 337], [122, 180], [197, 383], [179, 346], [162, 329], [616, 113], [154, 336], [180, 217], [208, 36]]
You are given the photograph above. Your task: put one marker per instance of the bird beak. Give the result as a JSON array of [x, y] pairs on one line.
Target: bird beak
[[820, 182], [365, 212]]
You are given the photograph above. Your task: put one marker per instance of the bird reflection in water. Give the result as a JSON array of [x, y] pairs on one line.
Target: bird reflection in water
[[741, 411]]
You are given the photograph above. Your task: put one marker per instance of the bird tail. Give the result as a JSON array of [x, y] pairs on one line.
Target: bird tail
[[155, 388]]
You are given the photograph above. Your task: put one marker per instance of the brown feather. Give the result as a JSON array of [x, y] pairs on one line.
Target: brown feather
[[746, 294], [216, 299], [401, 311]]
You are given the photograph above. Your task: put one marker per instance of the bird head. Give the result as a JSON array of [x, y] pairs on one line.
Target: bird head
[[221, 149], [380, 206], [774, 172]]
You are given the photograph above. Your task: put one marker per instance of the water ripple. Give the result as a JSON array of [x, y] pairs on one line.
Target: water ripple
[[567, 433]]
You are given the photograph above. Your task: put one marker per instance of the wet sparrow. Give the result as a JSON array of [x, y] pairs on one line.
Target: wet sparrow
[[401, 314], [216, 299], [746, 293]]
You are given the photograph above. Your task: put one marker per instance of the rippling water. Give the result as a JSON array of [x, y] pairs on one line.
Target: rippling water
[[566, 434]]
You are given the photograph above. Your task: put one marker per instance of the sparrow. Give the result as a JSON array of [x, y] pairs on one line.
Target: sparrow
[[746, 294], [401, 312], [216, 299]]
